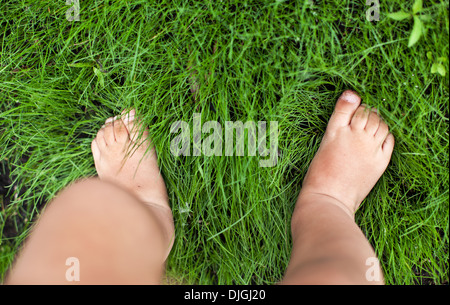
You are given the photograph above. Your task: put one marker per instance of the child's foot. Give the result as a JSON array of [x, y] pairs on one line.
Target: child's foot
[[354, 153], [131, 166]]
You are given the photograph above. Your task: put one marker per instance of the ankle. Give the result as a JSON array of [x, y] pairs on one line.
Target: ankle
[[312, 200], [164, 218]]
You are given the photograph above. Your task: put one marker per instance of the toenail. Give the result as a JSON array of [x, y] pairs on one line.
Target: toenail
[[350, 97], [109, 120], [129, 117]]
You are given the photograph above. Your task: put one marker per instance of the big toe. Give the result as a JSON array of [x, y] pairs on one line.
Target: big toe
[[345, 107]]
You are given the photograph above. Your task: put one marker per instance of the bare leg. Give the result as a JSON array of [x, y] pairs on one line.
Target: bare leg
[[118, 227], [328, 246]]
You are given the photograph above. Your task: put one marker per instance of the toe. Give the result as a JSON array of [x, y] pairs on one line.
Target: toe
[[360, 118], [110, 120], [128, 115], [95, 149], [373, 122], [100, 138], [346, 106], [388, 144], [382, 132], [133, 126], [120, 131], [108, 132]]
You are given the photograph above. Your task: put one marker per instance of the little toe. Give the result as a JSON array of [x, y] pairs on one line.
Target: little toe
[[359, 119], [388, 144], [345, 107], [95, 149], [373, 122], [382, 132], [100, 138]]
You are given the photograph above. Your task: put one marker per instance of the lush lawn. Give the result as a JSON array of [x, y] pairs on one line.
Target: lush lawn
[[284, 61]]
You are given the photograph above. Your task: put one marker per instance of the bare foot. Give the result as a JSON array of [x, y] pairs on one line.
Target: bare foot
[[354, 153], [120, 159]]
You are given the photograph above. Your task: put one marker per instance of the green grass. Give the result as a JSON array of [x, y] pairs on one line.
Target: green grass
[[283, 61]]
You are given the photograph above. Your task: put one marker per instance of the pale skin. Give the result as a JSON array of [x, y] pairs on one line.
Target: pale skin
[[120, 225], [328, 246]]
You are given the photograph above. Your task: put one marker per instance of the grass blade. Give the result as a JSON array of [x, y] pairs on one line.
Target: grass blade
[[416, 32], [441, 69], [400, 15], [100, 77], [417, 6]]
